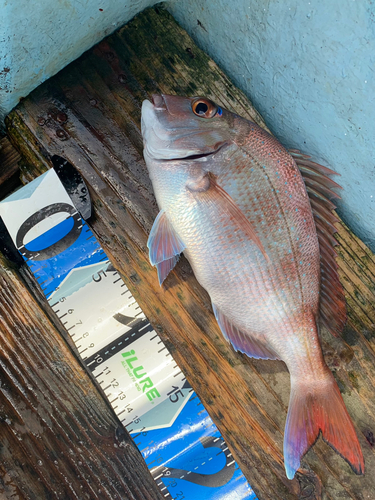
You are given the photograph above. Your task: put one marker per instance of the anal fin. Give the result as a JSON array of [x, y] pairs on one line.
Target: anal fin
[[243, 342]]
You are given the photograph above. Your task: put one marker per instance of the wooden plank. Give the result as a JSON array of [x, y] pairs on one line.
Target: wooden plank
[[90, 114], [9, 167], [59, 439]]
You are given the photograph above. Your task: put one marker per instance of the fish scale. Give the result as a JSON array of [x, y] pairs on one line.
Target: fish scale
[[234, 201], [275, 236]]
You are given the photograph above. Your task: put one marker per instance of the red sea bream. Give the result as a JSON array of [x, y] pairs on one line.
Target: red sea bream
[[233, 200]]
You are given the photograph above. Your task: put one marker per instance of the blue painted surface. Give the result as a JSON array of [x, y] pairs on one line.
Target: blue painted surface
[[307, 66], [38, 38]]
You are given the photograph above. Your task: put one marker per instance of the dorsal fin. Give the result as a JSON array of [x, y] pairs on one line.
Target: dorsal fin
[[319, 188], [241, 341]]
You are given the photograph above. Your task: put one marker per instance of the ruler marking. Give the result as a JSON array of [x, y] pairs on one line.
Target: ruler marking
[[127, 338]]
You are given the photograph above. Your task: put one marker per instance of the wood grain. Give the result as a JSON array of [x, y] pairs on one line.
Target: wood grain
[[101, 96], [59, 439], [10, 161]]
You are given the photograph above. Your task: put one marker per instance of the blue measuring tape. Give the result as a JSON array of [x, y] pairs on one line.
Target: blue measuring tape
[[182, 447]]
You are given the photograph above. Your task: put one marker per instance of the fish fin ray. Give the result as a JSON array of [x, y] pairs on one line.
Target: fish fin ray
[[215, 193], [304, 160], [241, 341], [315, 409], [163, 241], [319, 188], [165, 267]]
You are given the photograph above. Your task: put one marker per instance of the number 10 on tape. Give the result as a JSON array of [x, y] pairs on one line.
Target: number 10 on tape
[[150, 395]]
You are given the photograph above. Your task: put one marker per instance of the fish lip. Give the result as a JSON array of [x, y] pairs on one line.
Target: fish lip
[[158, 101], [199, 156]]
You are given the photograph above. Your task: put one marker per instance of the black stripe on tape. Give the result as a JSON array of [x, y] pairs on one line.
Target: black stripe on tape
[[139, 329]]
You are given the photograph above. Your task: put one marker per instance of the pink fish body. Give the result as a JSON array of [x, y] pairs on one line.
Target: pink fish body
[[234, 201]]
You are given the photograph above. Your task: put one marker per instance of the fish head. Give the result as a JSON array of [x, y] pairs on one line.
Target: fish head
[[185, 128]]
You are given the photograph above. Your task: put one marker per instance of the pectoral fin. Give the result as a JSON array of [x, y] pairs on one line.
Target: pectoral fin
[[164, 246], [243, 342], [209, 191]]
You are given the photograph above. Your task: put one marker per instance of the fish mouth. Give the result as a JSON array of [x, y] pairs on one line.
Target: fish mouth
[[199, 156]]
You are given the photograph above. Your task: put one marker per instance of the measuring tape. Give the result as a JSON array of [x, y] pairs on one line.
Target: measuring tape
[[150, 395]]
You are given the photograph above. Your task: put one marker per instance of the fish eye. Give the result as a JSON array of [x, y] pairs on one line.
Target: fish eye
[[204, 108]]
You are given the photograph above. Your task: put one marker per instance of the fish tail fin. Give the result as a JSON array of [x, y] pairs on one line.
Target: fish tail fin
[[317, 408]]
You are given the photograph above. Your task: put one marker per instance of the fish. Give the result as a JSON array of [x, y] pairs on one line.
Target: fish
[[255, 222]]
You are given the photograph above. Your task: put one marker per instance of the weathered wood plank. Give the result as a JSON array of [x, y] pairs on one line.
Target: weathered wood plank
[[101, 95], [59, 439], [9, 167]]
